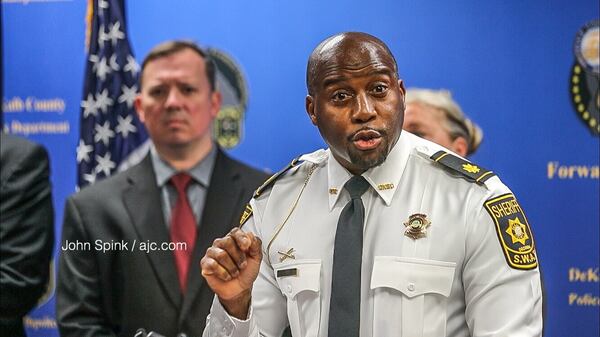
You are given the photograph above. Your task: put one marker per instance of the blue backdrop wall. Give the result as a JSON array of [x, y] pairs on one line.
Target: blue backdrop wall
[[508, 63]]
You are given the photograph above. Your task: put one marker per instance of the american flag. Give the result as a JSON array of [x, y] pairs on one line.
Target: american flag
[[109, 128]]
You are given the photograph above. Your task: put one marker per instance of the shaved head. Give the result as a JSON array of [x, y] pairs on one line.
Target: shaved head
[[355, 98], [344, 48]]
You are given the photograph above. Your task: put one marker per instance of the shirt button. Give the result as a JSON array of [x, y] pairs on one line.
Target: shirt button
[[182, 335], [289, 288], [411, 287]]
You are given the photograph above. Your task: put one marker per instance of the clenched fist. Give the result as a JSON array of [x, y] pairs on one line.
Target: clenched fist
[[230, 268]]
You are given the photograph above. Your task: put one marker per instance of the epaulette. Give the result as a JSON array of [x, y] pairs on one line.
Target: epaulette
[[469, 170], [275, 176]]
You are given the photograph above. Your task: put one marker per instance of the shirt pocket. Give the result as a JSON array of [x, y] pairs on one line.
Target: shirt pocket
[[300, 283], [410, 296]]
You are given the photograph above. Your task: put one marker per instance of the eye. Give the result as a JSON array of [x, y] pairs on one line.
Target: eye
[[156, 92], [340, 96], [187, 89], [380, 89]]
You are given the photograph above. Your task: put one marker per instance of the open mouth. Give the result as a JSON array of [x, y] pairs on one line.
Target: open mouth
[[365, 140]]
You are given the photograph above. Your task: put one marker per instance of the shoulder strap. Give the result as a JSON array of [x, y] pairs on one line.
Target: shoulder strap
[[470, 171], [269, 182]]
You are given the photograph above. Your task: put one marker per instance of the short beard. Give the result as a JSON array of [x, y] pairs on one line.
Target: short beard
[[365, 163], [362, 162]]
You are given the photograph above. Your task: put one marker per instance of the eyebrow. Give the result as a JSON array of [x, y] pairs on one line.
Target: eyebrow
[[331, 80], [381, 71]]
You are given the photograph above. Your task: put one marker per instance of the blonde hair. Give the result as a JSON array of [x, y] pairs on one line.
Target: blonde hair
[[459, 125]]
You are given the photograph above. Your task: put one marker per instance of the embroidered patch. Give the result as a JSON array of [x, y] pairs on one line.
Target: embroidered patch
[[513, 232], [246, 215]]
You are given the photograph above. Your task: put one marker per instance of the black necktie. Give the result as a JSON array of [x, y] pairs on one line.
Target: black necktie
[[344, 307]]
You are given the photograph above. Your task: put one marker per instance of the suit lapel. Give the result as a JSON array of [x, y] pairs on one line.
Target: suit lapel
[[222, 201], [143, 203]]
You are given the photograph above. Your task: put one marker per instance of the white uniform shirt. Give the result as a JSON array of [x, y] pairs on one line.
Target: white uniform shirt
[[454, 282]]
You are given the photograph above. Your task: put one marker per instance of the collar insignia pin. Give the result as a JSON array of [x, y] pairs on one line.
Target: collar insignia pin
[[416, 226], [285, 255], [387, 186]]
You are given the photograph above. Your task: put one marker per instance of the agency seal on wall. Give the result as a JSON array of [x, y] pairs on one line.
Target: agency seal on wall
[[585, 76], [228, 127]]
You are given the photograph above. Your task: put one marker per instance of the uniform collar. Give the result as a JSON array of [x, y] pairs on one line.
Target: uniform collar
[[384, 179]]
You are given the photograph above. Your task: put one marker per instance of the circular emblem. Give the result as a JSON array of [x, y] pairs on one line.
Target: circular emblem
[[587, 44], [585, 76], [585, 97], [228, 127], [416, 226]]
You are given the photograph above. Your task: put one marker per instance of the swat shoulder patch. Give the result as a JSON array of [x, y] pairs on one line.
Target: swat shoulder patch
[[513, 232], [469, 170], [246, 214], [269, 182]]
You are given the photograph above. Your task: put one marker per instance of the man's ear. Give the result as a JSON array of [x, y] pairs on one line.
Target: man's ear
[[460, 146], [137, 103], [403, 91], [310, 109], [216, 100], [401, 86]]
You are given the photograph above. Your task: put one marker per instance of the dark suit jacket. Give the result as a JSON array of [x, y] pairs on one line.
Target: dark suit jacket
[[26, 230], [118, 291]]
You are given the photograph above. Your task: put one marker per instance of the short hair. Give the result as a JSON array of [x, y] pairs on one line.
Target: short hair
[[171, 47], [315, 57], [458, 124]]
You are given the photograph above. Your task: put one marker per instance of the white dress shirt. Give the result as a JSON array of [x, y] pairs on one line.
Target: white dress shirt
[[455, 281]]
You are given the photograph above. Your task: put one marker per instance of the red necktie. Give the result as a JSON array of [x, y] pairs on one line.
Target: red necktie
[[183, 228]]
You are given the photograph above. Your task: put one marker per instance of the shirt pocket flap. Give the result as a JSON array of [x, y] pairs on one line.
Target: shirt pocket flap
[[412, 276], [298, 276]]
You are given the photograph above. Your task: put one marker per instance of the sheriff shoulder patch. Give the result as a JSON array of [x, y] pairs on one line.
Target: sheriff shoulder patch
[[246, 215], [513, 232], [467, 169]]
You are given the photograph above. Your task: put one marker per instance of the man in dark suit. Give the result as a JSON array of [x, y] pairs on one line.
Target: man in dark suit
[[130, 257], [26, 230]]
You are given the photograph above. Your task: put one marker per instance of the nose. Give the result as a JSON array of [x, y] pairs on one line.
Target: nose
[[365, 109], [173, 99]]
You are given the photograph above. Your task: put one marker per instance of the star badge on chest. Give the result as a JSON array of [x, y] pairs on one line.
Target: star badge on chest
[[416, 226]]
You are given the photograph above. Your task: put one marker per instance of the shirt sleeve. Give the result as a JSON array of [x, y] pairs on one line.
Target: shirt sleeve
[[268, 313], [501, 300]]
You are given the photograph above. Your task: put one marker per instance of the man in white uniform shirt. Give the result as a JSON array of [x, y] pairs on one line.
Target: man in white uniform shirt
[[442, 248]]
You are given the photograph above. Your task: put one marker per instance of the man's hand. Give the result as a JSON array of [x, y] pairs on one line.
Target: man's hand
[[230, 268]]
